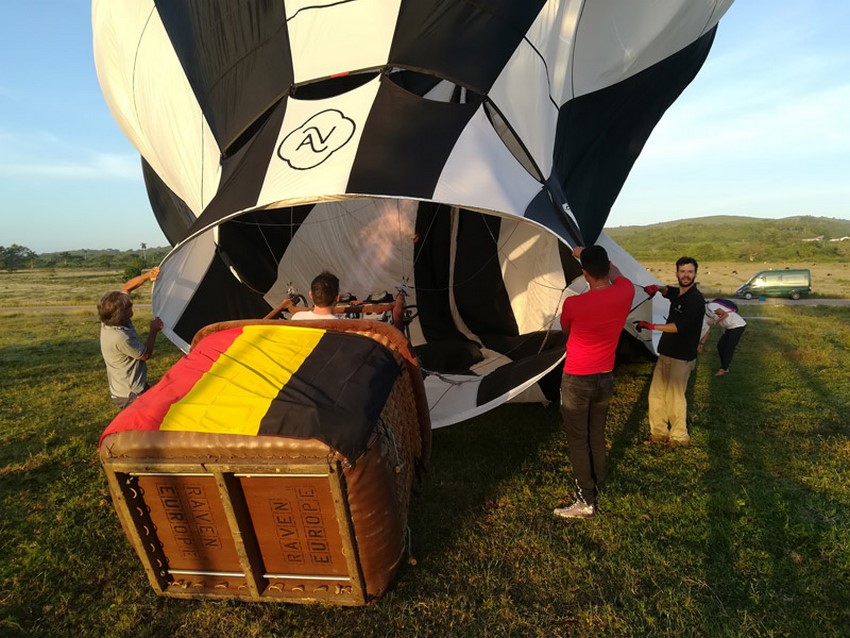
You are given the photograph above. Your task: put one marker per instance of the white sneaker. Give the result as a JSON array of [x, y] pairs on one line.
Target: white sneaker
[[579, 509]]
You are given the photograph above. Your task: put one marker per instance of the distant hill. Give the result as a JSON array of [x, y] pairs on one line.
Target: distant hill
[[733, 238]]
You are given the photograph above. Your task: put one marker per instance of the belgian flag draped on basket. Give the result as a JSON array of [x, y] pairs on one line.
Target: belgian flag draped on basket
[[304, 438]]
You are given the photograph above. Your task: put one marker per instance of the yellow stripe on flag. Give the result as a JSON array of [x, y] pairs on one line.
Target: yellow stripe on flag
[[235, 394]]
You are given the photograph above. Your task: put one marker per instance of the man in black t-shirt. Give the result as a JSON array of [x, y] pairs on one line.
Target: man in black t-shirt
[[668, 407]]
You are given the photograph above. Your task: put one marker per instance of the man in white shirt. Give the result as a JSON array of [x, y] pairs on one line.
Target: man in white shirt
[[731, 323], [324, 292]]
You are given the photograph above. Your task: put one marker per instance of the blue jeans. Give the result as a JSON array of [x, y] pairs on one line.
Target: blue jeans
[[584, 407]]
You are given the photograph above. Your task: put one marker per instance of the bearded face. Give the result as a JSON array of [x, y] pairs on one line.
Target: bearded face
[[686, 274]]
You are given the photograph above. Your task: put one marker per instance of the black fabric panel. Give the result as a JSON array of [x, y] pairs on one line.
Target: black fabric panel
[[450, 357], [431, 272], [466, 41], [631, 349], [331, 87], [527, 345], [405, 143], [336, 395], [219, 297], [509, 376], [600, 135], [172, 214], [235, 55], [546, 208], [570, 265], [481, 297], [253, 244], [243, 173]]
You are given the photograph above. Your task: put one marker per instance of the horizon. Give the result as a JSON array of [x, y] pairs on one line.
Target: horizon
[[763, 128], [669, 221]]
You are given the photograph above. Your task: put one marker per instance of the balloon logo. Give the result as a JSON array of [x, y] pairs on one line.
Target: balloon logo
[[316, 140]]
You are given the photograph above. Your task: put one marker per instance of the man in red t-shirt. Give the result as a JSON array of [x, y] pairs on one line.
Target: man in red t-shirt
[[593, 322]]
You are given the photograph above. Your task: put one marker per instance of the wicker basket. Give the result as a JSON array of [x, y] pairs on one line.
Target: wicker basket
[[272, 518]]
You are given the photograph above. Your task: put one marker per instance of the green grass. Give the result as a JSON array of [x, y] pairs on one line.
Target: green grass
[[62, 287], [745, 533]]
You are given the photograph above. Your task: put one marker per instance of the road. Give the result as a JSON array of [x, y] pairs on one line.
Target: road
[[791, 302]]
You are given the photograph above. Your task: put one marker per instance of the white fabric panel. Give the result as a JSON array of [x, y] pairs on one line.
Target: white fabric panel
[[328, 37], [442, 92], [482, 174], [654, 311], [552, 35], [171, 134], [590, 45], [452, 398], [533, 275], [616, 40], [367, 243], [179, 277], [113, 25], [521, 94], [316, 146]]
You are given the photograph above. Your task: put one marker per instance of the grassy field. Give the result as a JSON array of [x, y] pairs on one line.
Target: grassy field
[[722, 278], [61, 287], [745, 533]]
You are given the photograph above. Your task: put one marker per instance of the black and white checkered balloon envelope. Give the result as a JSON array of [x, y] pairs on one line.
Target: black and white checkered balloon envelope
[[449, 148]]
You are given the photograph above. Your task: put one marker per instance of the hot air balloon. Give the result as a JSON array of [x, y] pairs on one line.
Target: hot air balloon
[[449, 153], [451, 149]]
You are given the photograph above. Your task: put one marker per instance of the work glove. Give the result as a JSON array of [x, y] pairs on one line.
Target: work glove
[[640, 325], [650, 290]]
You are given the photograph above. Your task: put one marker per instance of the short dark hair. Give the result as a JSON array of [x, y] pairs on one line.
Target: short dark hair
[[686, 260], [114, 308], [594, 259], [325, 289]]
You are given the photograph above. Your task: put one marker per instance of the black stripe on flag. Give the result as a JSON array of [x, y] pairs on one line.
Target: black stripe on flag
[[336, 395]]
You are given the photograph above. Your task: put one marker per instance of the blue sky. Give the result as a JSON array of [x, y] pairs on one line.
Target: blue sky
[[763, 131]]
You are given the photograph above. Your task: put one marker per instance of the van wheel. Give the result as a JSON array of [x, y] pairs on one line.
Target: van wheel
[[748, 295], [795, 295]]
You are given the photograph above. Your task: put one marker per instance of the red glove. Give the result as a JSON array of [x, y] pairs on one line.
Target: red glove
[[640, 325], [650, 290]]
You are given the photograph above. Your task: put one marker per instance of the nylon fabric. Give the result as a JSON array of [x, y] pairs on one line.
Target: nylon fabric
[[252, 64], [358, 137], [236, 392], [427, 37], [361, 33], [272, 380]]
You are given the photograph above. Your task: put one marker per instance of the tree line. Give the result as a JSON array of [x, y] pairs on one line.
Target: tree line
[[720, 238], [17, 257]]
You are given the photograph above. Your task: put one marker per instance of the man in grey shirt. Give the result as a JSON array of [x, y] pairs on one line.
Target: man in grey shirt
[[122, 350]]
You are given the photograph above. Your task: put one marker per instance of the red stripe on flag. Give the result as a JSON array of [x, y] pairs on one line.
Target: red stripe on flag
[[148, 411]]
